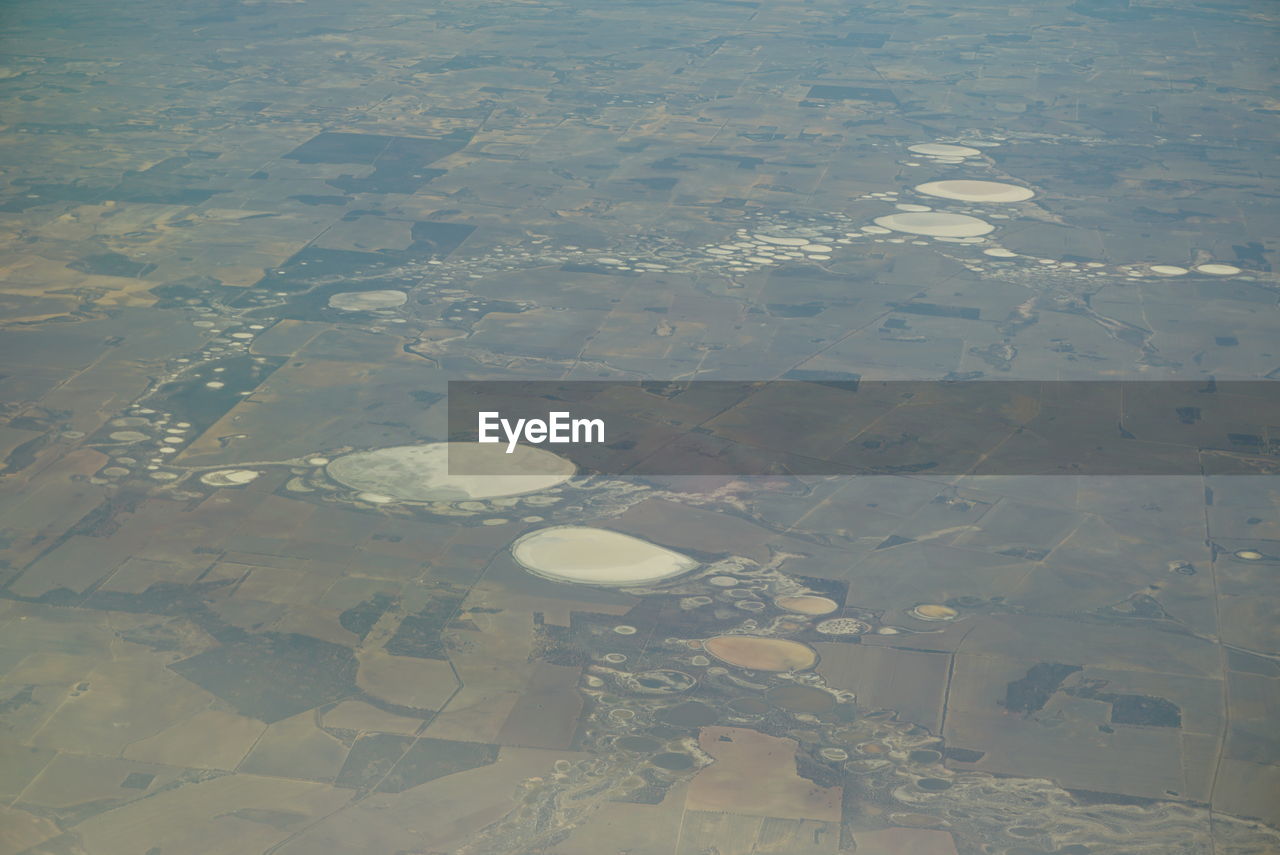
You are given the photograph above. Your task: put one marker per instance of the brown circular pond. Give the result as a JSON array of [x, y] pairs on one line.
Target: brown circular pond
[[808, 605], [762, 654]]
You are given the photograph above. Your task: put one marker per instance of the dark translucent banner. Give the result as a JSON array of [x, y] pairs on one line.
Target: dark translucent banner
[[820, 427]]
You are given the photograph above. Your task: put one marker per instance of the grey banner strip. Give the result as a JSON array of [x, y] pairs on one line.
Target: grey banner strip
[[854, 426]]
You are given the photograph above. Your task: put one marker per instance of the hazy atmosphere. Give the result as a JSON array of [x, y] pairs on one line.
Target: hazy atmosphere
[[266, 588]]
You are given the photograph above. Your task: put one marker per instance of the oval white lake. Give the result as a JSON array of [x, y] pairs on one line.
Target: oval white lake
[[597, 556], [420, 473]]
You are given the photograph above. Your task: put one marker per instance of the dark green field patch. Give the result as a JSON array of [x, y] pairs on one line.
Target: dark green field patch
[[429, 759], [272, 676], [420, 635], [371, 758], [1033, 691]]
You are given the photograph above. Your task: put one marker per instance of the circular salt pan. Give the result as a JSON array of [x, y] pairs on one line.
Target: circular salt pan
[[597, 556], [976, 191], [808, 605], [781, 241], [127, 436], [1168, 270], [420, 473], [843, 626], [762, 654], [936, 224], [943, 150], [1218, 269], [228, 477], [363, 301], [999, 252], [933, 611]]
